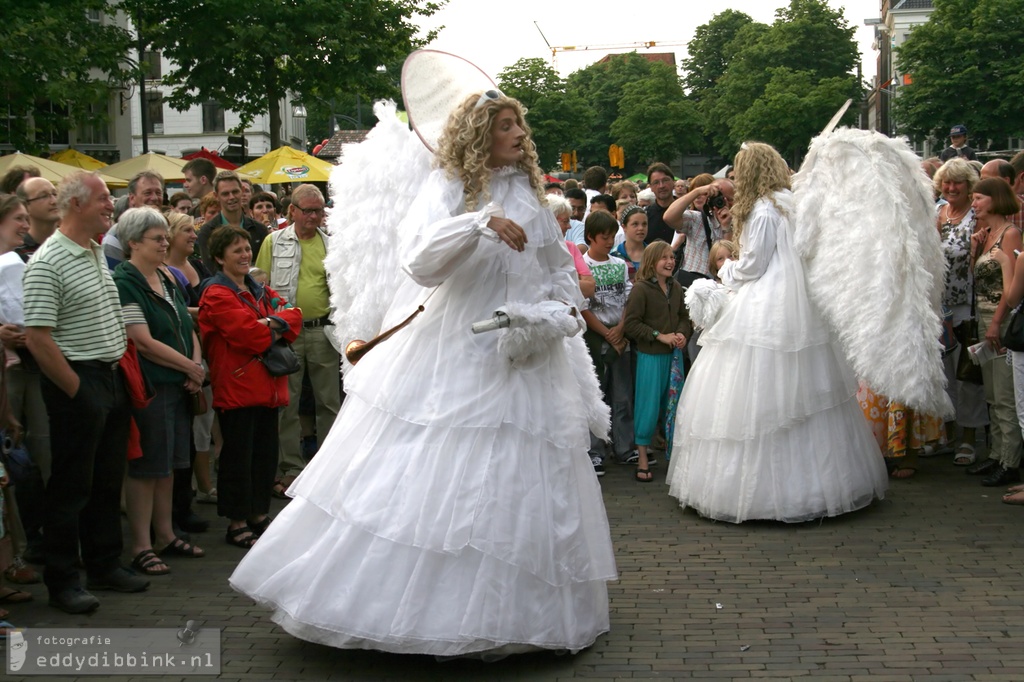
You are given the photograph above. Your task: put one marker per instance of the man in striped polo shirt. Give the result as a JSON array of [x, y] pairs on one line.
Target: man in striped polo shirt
[[74, 329]]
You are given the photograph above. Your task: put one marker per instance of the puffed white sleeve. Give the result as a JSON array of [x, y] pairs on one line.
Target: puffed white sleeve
[[759, 240], [436, 238], [565, 283]]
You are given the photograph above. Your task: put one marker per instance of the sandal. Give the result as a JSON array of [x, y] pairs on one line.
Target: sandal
[[902, 472], [261, 527], [13, 596], [147, 562], [281, 486], [644, 475], [241, 537], [179, 547], [964, 455]]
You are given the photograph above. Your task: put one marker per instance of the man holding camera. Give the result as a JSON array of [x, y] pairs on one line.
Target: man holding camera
[[702, 228]]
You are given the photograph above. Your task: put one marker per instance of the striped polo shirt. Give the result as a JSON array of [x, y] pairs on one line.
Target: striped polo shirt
[[69, 289]]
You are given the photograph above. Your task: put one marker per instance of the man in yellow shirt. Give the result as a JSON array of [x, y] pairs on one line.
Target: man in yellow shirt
[[294, 258]]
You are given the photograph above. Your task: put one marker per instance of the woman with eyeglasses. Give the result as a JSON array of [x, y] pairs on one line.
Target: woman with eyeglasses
[[158, 321]]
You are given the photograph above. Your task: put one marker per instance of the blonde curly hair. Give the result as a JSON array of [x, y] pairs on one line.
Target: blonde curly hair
[[465, 147], [760, 172]]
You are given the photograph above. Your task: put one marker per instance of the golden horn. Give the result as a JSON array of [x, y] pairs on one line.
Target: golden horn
[[356, 349]]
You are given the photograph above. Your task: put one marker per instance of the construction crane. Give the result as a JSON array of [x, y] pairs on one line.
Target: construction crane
[[644, 44]]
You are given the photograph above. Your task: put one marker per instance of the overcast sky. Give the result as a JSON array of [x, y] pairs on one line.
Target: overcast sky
[[494, 35]]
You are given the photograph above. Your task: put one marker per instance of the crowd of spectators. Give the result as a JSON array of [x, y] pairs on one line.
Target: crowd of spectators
[[132, 369], [88, 283]]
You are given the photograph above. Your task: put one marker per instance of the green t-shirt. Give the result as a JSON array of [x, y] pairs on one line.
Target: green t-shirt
[[313, 296]]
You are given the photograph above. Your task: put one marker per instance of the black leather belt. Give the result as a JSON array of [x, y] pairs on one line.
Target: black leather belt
[[318, 322]]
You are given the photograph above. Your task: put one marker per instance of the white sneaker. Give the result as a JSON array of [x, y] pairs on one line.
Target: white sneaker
[[207, 498]]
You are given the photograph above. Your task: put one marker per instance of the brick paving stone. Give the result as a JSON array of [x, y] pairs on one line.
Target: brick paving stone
[[924, 585]]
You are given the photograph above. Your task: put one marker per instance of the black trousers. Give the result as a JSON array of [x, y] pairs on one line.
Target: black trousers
[[248, 461], [89, 442]]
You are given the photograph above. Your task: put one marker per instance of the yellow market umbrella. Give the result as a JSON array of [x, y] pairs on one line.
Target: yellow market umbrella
[[73, 157], [286, 164], [169, 168], [53, 171]]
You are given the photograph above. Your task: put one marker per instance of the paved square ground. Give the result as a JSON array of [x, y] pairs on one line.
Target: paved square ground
[[924, 585]]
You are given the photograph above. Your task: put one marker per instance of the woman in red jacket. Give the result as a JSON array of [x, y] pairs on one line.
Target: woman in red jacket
[[238, 323]]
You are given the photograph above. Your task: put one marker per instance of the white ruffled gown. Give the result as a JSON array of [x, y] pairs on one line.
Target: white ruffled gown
[[452, 510], [768, 426]]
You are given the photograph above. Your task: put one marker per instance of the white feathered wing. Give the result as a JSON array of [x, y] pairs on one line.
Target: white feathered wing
[[865, 228], [373, 188]]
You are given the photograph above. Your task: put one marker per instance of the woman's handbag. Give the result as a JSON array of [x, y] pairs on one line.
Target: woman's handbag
[[966, 369], [1013, 337], [280, 360], [197, 403]]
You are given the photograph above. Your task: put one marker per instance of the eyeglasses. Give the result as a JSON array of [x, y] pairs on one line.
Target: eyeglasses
[[162, 239], [48, 195], [308, 212]]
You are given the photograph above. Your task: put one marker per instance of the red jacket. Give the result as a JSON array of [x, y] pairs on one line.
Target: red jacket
[[233, 338]]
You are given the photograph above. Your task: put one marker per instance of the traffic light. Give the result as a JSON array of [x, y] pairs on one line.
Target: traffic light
[[566, 161]]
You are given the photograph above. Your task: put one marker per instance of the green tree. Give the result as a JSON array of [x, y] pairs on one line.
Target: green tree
[[790, 113], [255, 52], [965, 63], [808, 37], [556, 118], [58, 68], [656, 121], [601, 87], [710, 51]]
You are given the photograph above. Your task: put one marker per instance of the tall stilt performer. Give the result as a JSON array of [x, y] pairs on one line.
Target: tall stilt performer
[[452, 509]]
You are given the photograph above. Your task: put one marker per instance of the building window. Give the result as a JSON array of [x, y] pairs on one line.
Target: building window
[[213, 117], [151, 65], [97, 132], [94, 15], [155, 112]]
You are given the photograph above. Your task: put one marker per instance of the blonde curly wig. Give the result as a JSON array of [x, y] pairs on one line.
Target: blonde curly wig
[[465, 147], [760, 172]]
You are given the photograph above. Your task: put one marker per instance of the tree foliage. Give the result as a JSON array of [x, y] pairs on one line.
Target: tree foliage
[[656, 120], [601, 86], [555, 117], [797, 68], [249, 55], [965, 64], [710, 52], [58, 68]]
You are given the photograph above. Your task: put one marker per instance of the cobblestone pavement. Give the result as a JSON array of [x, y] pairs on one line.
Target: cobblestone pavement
[[924, 585]]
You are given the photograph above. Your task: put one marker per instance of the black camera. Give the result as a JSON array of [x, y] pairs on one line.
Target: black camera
[[717, 201]]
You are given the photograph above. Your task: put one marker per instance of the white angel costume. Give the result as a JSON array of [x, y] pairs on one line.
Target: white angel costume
[[452, 509], [846, 273], [768, 426]]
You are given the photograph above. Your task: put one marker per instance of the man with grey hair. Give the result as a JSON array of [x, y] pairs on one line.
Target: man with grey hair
[[146, 188], [294, 257], [75, 331], [701, 229]]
